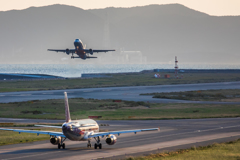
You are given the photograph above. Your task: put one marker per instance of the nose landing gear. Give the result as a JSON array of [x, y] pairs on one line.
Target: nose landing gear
[[89, 145], [72, 56]]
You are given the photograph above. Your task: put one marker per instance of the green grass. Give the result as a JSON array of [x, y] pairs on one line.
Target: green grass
[[82, 108], [202, 95], [131, 79], [223, 151], [10, 137]]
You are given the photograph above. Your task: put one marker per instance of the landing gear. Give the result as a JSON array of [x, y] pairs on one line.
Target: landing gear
[[72, 56], [98, 144], [89, 145], [61, 144]]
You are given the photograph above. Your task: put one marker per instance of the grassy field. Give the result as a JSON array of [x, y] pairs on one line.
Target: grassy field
[[223, 151], [131, 79], [226, 95], [109, 110], [10, 137]]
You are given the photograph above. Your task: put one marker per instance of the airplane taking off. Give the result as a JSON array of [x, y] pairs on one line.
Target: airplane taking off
[[80, 50], [79, 130]]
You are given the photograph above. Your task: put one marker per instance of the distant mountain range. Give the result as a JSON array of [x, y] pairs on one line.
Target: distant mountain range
[[160, 32]]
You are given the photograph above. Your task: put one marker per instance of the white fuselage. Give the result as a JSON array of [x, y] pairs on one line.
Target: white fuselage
[[78, 130]]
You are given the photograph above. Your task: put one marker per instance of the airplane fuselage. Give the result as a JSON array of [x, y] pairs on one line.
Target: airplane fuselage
[[79, 49], [78, 130]]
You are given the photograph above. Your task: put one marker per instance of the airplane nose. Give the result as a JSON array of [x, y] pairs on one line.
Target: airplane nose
[[65, 127], [77, 40]]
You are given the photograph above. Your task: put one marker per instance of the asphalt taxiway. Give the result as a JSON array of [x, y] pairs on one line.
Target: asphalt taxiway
[[124, 93], [174, 134]]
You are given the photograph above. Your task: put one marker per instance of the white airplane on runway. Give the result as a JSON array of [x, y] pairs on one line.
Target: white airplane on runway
[[79, 130]]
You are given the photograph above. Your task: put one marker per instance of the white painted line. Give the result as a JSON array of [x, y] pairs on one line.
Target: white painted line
[[106, 90], [48, 93], [20, 95]]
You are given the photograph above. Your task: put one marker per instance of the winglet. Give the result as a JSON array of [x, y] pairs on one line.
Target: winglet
[[67, 113]]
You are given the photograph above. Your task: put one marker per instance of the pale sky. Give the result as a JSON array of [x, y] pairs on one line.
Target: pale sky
[[212, 7]]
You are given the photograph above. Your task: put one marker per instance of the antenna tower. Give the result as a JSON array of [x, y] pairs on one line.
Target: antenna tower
[[176, 67]]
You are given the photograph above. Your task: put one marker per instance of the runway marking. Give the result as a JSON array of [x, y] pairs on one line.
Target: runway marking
[[25, 94], [48, 93], [106, 90], [21, 95]]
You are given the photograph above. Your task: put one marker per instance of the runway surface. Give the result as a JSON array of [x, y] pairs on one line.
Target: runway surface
[[174, 134], [124, 93]]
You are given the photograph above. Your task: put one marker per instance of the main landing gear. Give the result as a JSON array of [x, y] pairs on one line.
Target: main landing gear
[[98, 144], [61, 144]]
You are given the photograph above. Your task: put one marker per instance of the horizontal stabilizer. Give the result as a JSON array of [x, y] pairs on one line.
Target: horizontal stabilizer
[[91, 57]]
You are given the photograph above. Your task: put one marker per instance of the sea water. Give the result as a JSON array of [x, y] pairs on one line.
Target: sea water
[[67, 70]]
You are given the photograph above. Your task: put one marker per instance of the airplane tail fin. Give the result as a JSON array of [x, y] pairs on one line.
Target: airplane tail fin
[[67, 112]]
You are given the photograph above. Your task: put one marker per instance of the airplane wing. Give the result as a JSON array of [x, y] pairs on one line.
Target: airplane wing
[[36, 132], [120, 132], [102, 50], [60, 126], [94, 50], [63, 50]]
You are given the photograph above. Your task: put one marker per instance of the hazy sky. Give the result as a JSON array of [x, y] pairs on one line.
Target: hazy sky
[[212, 7]]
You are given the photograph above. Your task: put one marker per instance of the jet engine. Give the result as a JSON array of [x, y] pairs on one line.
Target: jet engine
[[91, 51], [111, 139], [67, 51], [55, 140]]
